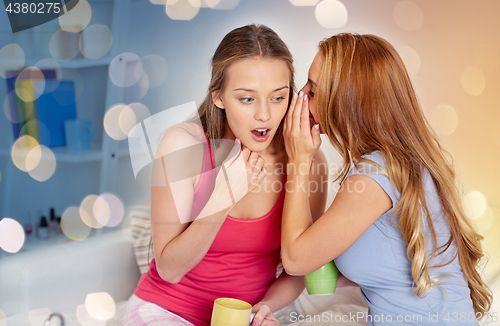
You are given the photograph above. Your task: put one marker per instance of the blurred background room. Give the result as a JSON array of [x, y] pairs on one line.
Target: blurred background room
[[108, 65]]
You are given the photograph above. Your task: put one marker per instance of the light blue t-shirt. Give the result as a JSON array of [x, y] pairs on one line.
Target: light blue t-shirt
[[377, 261]]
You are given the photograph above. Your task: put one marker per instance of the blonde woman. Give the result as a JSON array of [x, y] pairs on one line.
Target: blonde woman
[[396, 226]]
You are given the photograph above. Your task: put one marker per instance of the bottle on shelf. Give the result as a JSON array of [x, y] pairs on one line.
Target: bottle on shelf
[[43, 229]]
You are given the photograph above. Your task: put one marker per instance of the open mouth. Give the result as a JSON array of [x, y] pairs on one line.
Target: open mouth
[[260, 132]]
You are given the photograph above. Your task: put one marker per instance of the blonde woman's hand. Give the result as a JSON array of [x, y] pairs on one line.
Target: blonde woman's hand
[[264, 316], [302, 140]]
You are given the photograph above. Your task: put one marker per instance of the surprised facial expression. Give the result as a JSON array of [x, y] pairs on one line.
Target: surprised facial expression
[[255, 98]]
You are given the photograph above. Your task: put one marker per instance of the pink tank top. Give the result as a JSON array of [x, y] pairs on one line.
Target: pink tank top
[[241, 263]]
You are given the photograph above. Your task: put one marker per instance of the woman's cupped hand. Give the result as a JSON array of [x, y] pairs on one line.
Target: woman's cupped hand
[[263, 316], [302, 140]]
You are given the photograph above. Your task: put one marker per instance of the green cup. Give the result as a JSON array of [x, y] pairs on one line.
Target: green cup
[[322, 280]]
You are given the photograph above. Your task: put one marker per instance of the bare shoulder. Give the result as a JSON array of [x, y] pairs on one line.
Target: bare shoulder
[[180, 136]]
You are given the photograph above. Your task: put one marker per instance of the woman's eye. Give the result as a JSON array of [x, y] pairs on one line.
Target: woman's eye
[[246, 99], [311, 93], [278, 99]]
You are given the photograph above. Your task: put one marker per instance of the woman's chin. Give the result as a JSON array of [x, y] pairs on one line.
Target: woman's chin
[[256, 146]]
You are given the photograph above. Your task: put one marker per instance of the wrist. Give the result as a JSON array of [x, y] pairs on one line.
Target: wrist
[[299, 167], [267, 302]]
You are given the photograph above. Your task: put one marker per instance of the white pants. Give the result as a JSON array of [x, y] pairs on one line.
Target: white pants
[[140, 312]]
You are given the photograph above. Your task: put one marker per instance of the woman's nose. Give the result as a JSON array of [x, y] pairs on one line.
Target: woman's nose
[[263, 113]]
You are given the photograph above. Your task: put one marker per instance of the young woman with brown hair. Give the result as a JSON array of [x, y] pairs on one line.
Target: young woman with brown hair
[[224, 249], [396, 226]]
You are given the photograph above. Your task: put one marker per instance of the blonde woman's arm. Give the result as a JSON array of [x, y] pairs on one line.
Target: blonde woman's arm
[[287, 287], [305, 246]]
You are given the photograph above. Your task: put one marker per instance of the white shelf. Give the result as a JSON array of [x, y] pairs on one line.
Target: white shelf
[[62, 154], [72, 64], [32, 242]]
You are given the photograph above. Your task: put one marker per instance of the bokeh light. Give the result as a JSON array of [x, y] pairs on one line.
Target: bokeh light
[[331, 14], [473, 81], [300, 3], [95, 41], [77, 18], [158, 2], [143, 86], [41, 163], [444, 119], [76, 77], [131, 115], [7, 108], [410, 58], [13, 54], [112, 122], [33, 158], [37, 317], [53, 65], [63, 46], [20, 150], [203, 3], [109, 210], [100, 306], [72, 224], [85, 319], [408, 15], [156, 68], [87, 212], [125, 69], [43, 131], [484, 222], [182, 9], [11, 235], [221, 4], [26, 89], [475, 204]]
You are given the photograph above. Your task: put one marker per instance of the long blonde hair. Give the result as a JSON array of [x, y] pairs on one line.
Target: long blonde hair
[[366, 103]]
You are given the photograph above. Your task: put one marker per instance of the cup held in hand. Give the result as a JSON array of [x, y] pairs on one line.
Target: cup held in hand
[[230, 312], [322, 280]]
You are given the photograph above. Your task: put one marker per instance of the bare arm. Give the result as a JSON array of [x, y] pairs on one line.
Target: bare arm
[[179, 246], [287, 288], [305, 246]]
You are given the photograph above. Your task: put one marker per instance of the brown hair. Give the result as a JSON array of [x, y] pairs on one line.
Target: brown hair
[[241, 43], [366, 103]]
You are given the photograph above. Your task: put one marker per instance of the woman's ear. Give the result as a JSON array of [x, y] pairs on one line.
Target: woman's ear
[[217, 100]]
